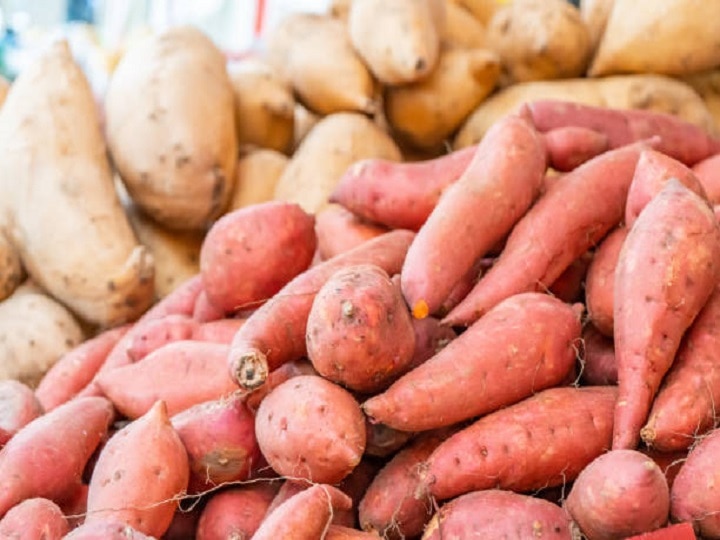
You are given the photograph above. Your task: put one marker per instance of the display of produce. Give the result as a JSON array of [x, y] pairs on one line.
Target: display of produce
[[405, 269]]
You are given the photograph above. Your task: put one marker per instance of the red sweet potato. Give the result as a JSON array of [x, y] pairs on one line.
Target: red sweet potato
[[219, 437], [236, 512], [392, 506], [542, 441], [183, 525], [565, 222], [251, 253], [399, 195], [383, 441], [355, 485], [693, 496], [339, 230], [154, 334], [106, 530], [668, 267], [496, 513], [138, 475], [568, 287], [34, 519], [619, 494], [182, 374], [600, 281], [708, 172], [669, 462], [46, 458], [275, 332], [526, 343], [359, 330], [206, 311], [571, 146], [276, 378], [679, 139], [653, 171], [76, 368], [74, 507], [338, 532], [678, 531], [599, 366], [306, 516], [474, 213], [430, 338], [322, 427], [685, 405], [18, 407], [461, 289], [288, 489], [218, 331]]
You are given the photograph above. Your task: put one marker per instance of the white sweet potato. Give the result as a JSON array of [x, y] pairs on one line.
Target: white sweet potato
[[258, 171]]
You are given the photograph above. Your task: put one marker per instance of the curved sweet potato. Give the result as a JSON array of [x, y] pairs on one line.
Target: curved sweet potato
[[600, 281], [34, 519]]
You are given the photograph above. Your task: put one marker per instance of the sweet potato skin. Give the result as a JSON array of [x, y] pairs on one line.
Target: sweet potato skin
[[18, 407], [106, 530], [119, 488], [599, 366], [577, 422], [679, 229], [569, 147], [708, 172], [600, 281], [34, 519], [250, 254], [619, 494], [339, 230], [322, 425], [499, 514], [359, 330], [485, 202], [525, 344]]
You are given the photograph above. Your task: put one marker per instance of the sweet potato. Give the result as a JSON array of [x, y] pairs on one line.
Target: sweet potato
[[275, 378], [297, 47], [18, 407], [264, 105], [693, 496], [679, 139], [34, 519], [74, 507], [677, 531], [205, 311], [106, 530], [12, 273], [569, 285], [426, 112], [570, 147], [219, 331], [75, 186], [184, 176], [46, 458], [430, 338], [250, 254], [259, 347], [652, 306], [619, 494], [685, 405], [539, 39], [383, 441], [546, 241], [236, 511], [600, 281], [525, 344], [219, 437], [542, 441], [462, 29], [499, 514], [195, 369], [485, 203], [595, 14], [306, 516], [139, 473], [632, 31], [183, 525], [355, 485], [258, 171], [332, 145], [359, 330], [707, 85], [400, 195], [482, 10], [339, 230], [599, 366], [288, 489], [338, 532], [374, 27], [322, 425], [156, 333], [648, 92], [708, 172]]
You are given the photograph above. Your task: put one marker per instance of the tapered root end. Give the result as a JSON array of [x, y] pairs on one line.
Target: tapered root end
[[250, 370]]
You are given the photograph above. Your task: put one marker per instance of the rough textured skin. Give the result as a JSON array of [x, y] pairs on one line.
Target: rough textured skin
[[359, 330], [525, 344], [668, 267], [693, 496], [600, 281], [250, 254], [599, 365], [475, 213], [566, 221], [339, 230], [236, 511], [52, 146], [400, 195], [495, 513], [18, 407], [184, 178], [11, 270], [34, 519], [685, 406], [542, 441], [619, 494], [708, 172], [139, 472], [47, 457], [310, 428], [305, 516], [275, 332]]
